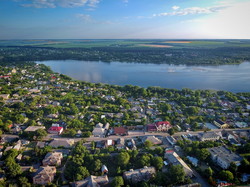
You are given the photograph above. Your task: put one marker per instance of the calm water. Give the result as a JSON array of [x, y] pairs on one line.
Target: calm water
[[234, 78]]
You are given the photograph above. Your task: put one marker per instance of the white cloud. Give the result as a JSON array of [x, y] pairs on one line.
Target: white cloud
[[88, 19], [61, 3], [192, 10], [125, 1], [85, 17], [93, 3], [175, 7]]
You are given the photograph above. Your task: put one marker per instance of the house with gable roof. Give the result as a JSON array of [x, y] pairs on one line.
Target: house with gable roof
[[55, 129], [53, 159], [138, 175], [159, 126], [44, 175]]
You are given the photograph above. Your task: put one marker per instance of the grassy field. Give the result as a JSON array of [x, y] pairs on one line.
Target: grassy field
[[127, 43]]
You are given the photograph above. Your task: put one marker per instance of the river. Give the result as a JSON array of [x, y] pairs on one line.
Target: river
[[234, 78]]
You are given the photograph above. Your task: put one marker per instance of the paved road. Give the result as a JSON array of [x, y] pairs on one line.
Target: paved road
[[200, 179], [113, 137]]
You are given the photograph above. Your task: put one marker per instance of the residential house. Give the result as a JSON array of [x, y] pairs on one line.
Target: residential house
[[33, 128], [159, 126], [120, 144], [100, 144], [104, 169], [151, 128], [92, 181], [99, 130], [19, 157], [193, 160], [210, 136], [44, 175], [231, 137], [220, 124], [79, 133], [67, 143], [53, 159], [131, 144], [40, 144], [152, 139], [53, 116], [18, 146], [138, 175], [120, 131], [223, 157], [55, 129], [171, 140], [5, 96], [109, 143]]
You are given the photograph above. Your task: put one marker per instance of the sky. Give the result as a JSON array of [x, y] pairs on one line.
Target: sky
[[124, 19]]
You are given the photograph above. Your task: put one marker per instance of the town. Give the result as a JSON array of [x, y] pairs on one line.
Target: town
[[57, 131]]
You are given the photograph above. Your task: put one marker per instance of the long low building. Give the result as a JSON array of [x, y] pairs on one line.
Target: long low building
[[175, 159]]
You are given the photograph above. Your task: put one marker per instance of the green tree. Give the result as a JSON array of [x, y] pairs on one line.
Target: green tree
[[50, 110], [158, 150], [41, 133], [226, 175], [171, 131], [244, 166], [13, 169], [123, 158], [192, 110], [157, 162], [97, 165], [148, 144], [19, 118], [203, 154], [176, 174], [117, 181], [82, 173], [144, 160], [133, 154], [208, 172], [24, 182], [233, 168]]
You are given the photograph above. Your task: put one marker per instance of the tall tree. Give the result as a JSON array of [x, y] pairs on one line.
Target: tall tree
[[117, 181], [176, 174], [123, 158]]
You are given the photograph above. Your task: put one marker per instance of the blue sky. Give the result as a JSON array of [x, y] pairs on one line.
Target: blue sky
[[121, 19]]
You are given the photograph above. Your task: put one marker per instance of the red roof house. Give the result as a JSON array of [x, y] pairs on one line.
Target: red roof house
[[151, 127], [159, 126], [55, 130], [163, 126], [120, 131]]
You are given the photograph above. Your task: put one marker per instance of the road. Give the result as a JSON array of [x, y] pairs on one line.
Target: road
[[114, 137]]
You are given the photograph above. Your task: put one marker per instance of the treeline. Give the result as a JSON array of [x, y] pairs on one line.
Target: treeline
[[190, 56]]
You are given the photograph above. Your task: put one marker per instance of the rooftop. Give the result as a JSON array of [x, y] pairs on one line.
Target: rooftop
[[225, 154]]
